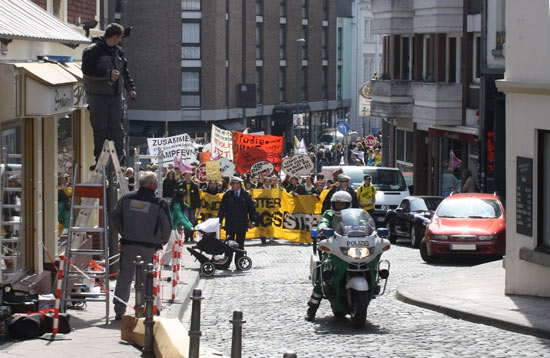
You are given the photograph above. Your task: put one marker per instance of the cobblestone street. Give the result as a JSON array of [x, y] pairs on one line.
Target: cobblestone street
[[273, 297]]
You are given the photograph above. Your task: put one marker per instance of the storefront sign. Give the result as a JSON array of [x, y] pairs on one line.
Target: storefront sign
[[177, 146], [261, 169], [227, 167], [524, 196], [272, 145], [79, 96], [43, 100], [222, 143], [298, 165]]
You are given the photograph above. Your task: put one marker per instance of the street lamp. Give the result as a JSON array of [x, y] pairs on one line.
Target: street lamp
[[299, 44]]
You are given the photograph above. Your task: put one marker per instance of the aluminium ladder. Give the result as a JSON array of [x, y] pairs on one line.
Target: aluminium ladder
[[89, 194]]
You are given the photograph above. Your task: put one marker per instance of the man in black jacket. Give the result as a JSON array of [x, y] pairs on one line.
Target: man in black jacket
[[193, 201], [343, 184], [106, 74], [237, 208]]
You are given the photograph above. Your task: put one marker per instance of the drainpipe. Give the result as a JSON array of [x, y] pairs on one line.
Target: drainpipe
[[482, 101]]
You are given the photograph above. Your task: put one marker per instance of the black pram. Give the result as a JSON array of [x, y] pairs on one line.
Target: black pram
[[210, 245]]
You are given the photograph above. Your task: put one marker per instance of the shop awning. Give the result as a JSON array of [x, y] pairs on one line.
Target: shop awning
[[231, 125], [461, 133], [24, 20], [50, 74], [74, 69]]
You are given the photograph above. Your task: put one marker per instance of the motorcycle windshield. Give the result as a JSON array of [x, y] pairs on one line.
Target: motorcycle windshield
[[353, 222]]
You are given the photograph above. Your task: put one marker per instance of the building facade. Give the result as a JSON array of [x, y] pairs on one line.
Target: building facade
[[429, 89], [44, 125], [234, 63], [526, 84]]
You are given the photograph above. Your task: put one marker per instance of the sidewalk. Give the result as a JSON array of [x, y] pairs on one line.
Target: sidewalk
[[91, 337], [476, 294]]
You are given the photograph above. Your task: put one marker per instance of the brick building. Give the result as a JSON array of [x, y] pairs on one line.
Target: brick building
[[201, 62]]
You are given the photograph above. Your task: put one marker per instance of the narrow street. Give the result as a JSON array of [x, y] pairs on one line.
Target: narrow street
[[273, 296]]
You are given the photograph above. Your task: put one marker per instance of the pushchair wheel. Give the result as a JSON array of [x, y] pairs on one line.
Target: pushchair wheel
[[244, 263], [207, 269]]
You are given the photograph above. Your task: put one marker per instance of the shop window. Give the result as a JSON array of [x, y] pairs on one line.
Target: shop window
[[544, 189], [65, 165], [12, 238], [404, 146]]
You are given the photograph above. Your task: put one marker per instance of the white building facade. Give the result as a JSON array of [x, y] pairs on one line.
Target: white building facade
[[526, 84]]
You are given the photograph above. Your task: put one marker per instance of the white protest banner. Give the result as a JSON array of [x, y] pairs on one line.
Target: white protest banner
[[227, 167], [222, 143], [261, 169], [177, 146], [298, 165]]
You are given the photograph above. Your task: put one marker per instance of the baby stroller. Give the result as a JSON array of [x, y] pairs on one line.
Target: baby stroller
[[209, 244]]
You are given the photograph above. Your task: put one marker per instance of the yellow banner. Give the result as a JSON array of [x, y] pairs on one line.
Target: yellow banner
[[279, 214]]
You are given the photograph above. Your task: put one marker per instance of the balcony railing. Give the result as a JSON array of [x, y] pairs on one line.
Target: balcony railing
[[391, 99], [437, 103]]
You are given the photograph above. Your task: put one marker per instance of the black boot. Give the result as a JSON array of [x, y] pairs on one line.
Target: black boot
[[311, 311]]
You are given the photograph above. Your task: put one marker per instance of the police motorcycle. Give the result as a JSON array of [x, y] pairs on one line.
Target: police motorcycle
[[348, 261]]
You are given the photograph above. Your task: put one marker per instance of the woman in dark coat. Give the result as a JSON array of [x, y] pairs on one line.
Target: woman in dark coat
[[168, 185]]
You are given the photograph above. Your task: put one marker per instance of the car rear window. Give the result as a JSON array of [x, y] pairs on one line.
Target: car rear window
[[385, 179], [469, 208]]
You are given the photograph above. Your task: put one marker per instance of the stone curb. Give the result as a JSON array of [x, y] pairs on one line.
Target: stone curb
[[404, 295]]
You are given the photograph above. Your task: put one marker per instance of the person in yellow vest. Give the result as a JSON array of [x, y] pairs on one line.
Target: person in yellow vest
[[367, 195], [377, 157]]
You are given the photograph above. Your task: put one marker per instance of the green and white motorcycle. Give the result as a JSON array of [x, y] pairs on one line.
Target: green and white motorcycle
[[347, 261]]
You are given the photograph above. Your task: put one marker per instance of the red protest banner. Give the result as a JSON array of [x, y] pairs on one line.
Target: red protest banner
[[272, 145], [249, 156]]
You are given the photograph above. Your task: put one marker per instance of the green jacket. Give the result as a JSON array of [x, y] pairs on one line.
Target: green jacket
[[179, 217], [326, 220]]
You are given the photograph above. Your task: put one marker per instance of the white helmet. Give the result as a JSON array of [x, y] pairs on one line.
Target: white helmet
[[341, 196]]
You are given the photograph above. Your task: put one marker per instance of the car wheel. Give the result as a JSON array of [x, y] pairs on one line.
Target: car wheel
[[424, 253], [391, 236], [413, 237]]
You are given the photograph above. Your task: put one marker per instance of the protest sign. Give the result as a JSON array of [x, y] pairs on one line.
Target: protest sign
[[248, 157], [200, 173], [210, 204], [261, 169], [181, 146], [213, 171], [298, 165], [272, 145], [222, 143], [227, 167]]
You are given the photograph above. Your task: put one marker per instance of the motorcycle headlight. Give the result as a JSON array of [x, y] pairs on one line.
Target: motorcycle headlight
[[438, 237], [356, 252], [487, 237]]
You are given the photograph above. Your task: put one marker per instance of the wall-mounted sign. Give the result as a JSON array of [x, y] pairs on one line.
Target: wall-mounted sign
[[524, 196]]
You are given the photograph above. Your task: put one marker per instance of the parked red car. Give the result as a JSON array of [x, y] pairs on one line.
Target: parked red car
[[465, 224]]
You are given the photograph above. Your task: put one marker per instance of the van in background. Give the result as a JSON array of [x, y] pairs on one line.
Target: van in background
[[390, 185]]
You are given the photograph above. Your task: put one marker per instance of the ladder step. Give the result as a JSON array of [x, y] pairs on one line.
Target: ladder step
[[10, 240], [11, 222], [95, 274], [87, 294], [86, 229], [93, 185], [15, 190], [86, 300], [90, 207], [86, 252], [11, 206]]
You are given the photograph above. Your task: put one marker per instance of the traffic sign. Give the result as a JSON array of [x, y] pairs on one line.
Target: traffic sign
[[200, 174], [343, 127], [370, 141]]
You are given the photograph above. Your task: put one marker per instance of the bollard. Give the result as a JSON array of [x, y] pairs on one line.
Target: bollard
[[237, 339], [289, 355], [149, 323], [140, 288], [195, 331]]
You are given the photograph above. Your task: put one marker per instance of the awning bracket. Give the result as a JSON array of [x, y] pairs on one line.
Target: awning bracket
[[5, 42]]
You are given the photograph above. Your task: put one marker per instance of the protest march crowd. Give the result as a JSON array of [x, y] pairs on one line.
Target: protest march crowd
[[288, 189]]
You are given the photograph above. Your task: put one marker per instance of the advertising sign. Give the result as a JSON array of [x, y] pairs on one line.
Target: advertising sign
[[298, 165], [261, 169]]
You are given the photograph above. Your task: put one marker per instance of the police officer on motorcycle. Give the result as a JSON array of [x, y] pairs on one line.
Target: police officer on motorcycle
[[340, 200]]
